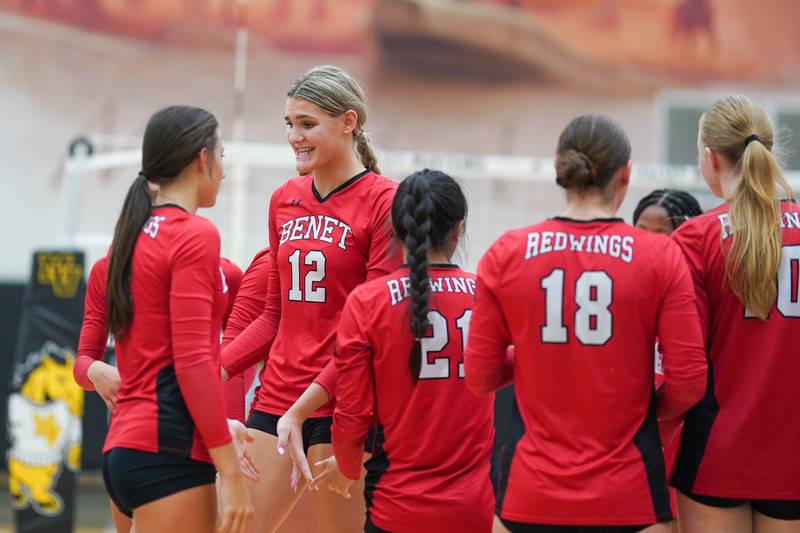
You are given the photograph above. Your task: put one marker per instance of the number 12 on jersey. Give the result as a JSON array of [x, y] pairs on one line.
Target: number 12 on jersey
[[312, 293], [593, 295]]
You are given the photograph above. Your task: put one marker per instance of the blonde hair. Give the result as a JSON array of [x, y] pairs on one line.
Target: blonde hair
[[740, 130], [335, 91]]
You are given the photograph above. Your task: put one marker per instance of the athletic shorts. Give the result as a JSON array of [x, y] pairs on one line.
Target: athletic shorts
[[517, 527], [315, 430], [134, 478], [369, 527], [777, 509]]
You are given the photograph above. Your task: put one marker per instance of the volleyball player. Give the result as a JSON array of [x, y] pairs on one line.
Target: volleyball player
[[329, 231], [248, 305], [399, 351], [169, 423], [663, 210], [738, 468], [582, 297]]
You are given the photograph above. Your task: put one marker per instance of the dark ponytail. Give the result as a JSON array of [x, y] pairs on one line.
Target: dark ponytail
[[135, 211], [426, 209], [173, 138]]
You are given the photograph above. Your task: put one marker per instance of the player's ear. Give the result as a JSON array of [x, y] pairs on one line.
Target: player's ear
[[350, 121], [202, 161], [625, 174]]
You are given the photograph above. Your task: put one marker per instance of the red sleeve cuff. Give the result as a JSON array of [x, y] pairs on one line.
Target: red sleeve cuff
[[349, 459], [81, 371]]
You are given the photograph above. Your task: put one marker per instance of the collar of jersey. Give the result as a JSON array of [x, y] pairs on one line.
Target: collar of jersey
[[436, 265], [341, 187], [159, 206], [590, 221]]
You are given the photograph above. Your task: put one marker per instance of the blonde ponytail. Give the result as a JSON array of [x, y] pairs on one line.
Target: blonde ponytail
[[741, 131]]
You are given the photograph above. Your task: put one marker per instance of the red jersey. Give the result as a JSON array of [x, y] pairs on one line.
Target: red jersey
[[170, 400], [742, 440], [583, 302], [321, 249], [248, 306], [231, 279], [430, 469], [94, 329]]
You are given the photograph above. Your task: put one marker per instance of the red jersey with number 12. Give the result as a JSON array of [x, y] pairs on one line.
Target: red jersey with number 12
[[321, 249]]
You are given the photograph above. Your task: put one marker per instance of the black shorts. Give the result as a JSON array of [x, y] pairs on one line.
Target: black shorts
[[369, 527], [777, 509], [315, 430], [134, 478], [517, 527]]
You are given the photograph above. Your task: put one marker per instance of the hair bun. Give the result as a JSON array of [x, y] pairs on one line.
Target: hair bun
[[575, 169]]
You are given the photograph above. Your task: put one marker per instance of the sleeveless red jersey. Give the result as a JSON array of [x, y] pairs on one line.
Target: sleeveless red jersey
[[430, 469], [171, 400], [583, 302], [743, 439], [321, 249]]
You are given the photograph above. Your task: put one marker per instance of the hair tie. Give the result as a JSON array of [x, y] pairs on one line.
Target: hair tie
[[142, 174], [751, 138]]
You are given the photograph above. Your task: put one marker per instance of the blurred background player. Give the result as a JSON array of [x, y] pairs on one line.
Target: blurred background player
[[329, 231], [738, 468], [663, 210], [169, 422], [247, 306], [582, 297], [429, 471]]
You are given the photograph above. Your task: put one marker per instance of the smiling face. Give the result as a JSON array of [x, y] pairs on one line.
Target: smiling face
[[317, 138]]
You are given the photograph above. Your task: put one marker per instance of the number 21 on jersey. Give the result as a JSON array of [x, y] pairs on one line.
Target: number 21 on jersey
[[439, 367], [593, 295]]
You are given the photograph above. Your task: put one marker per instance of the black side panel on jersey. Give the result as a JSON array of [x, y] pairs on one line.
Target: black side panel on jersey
[[376, 466], [175, 425], [648, 441], [696, 431], [505, 456]]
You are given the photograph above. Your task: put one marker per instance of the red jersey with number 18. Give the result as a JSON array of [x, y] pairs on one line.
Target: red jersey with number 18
[[430, 469], [743, 439], [321, 248], [583, 303]]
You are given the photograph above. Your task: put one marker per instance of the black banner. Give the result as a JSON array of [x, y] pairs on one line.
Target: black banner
[[45, 405]]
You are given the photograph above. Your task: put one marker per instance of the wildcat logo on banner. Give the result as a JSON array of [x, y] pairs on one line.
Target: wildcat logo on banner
[[44, 418], [61, 272], [45, 405]]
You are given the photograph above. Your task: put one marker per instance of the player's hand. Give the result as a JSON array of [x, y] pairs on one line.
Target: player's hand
[[235, 507], [290, 437], [223, 375], [241, 436], [106, 381], [332, 477]]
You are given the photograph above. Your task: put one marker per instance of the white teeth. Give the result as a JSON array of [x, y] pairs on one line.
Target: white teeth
[[303, 150]]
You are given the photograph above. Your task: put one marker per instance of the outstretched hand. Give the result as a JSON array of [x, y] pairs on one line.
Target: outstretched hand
[[290, 437], [332, 477], [241, 436]]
